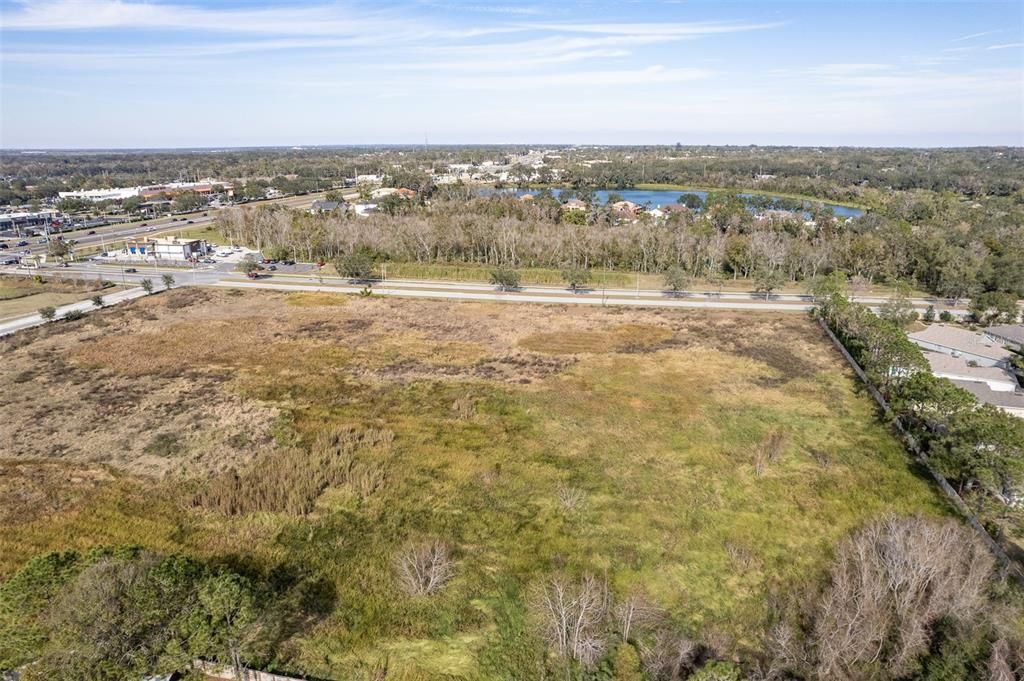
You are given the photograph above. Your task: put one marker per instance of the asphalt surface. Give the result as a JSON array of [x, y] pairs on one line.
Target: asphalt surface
[[152, 227], [300, 278]]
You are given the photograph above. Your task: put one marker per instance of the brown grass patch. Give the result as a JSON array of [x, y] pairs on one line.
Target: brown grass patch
[[622, 338], [37, 489]]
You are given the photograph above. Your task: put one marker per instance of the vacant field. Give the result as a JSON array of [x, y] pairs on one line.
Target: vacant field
[[318, 435], [24, 294]]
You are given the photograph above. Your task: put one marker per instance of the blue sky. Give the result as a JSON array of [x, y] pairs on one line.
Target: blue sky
[[180, 73]]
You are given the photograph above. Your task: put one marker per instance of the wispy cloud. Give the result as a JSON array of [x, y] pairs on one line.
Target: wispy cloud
[[1005, 46], [308, 20], [666, 29], [845, 70], [972, 36]]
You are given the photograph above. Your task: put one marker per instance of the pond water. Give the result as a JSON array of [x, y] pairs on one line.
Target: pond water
[[659, 197]]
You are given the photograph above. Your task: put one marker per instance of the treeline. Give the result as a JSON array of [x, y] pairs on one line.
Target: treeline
[[978, 448], [838, 174], [126, 613], [936, 242]]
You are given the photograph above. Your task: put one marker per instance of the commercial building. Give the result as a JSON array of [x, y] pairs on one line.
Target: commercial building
[[19, 219], [171, 249], [206, 186]]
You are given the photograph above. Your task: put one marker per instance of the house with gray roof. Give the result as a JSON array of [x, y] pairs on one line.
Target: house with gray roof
[[1010, 335], [997, 379], [1010, 402], [972, 347]]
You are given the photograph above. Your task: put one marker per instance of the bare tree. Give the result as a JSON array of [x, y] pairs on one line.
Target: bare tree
[[999, 662], [636, 614], [424, 568], [572, 616], [668, 656], [890, 583]]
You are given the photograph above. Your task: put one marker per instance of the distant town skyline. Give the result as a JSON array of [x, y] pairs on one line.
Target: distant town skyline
[[181, 73]]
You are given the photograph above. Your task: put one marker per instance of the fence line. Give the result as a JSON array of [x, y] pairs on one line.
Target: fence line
[[918, 456]]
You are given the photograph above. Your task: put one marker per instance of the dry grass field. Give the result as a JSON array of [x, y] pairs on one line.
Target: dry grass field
[[319, 434]]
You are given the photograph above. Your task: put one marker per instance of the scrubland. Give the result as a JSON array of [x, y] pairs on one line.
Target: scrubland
[[710, 460]]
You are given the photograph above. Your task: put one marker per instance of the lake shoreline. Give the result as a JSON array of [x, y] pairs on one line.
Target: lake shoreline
[[658, 187]]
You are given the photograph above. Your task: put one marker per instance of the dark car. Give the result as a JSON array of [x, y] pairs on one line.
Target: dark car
[[91, 231], [288, 262], [143, 224], [190, 222], [204, 215], [4, 246], [272, 268], [23, 243], [130, 270]]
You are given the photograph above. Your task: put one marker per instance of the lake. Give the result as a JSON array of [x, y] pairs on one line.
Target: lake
[[660, 197]]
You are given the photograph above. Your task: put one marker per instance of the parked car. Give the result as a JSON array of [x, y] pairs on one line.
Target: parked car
[[4, 246], [130, 270], [272, 268], [288, 262]]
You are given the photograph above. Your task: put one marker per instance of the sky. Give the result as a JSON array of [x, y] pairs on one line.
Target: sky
[[227, 73]]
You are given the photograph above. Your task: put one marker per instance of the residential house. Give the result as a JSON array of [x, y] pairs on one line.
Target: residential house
[[626, 207], [674, 209], [382, 192], [997, 379], [363, 208], [971, 346], [1010, 402], [574, 204], [323, 206], [1009, 335]]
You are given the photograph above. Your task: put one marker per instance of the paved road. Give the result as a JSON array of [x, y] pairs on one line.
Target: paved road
[[109, 234], [563, 296], [29, 321], [222, 275]]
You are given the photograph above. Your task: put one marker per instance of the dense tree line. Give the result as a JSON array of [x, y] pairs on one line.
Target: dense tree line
[[978, 448], [950, 247], [838, 174]]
